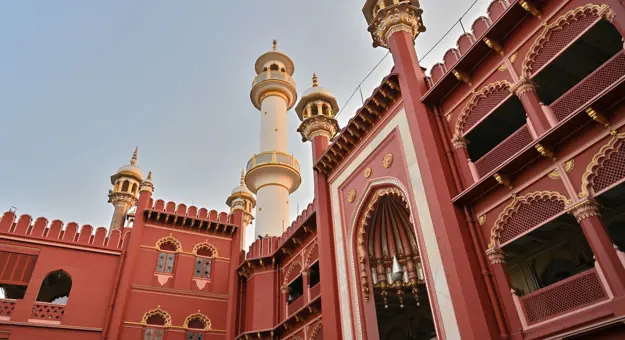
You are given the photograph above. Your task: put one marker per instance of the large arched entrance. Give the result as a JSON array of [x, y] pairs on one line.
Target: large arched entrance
[[392, 277]]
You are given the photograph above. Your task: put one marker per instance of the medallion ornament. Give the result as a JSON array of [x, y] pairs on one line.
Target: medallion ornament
[[482, 219], [351, 195], [387, 161], [367, 172]]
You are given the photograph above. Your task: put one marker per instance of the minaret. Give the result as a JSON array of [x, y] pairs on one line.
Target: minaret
[[126, 182], [316, 110], [273, 174], [242, 199]]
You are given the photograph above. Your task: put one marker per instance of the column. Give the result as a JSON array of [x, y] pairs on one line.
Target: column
[[306, 284], [236, 256], [588, 216], [525, 89], [496, 257], [616, 15], [469, 171]]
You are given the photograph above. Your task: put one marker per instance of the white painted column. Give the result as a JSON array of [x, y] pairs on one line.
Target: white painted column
[[272, 210], [273, 125]]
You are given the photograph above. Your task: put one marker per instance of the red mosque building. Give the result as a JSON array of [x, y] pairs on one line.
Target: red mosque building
[[484, 199]]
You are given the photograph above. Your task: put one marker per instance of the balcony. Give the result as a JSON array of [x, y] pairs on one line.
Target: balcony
[[294, 306], [273, 157], [44, 312], [611, 72], [576, 292], [273, 75], [502, 152], [6, 308], [315, 291]]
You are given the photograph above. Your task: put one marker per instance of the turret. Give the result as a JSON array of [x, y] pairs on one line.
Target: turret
[[316, 110], [273, 174], [242, 199], [126, 182]]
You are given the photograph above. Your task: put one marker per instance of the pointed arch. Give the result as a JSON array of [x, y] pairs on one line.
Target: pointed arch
[[162, 243], [311, 252], [205, 249], [481, 103], [288, 276], [317, 330], [613, 146], [197, 317], [530, 209], [149, 317], [566, 21], [55, 287]]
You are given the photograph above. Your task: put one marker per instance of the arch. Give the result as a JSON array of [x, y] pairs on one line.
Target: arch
[[274, 67], [314, 248], [125, 185], [483, 101], [546, 204], [563, 22], [205, 249], [612, 147], [134, 188], [317, 330], [55, 287], [165, 242], [156, 316], [196, 318], [289, 272]]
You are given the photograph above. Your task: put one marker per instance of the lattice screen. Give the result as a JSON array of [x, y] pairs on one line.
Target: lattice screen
[[530, 215], [503, 151], [612, 171], [485, 105]]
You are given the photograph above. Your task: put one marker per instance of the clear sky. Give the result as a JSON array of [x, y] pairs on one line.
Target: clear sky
[[83, 82]]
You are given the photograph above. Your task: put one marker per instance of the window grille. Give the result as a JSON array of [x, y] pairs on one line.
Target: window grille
[[202, 267], [153, 334], [195, 336], [165, 262]]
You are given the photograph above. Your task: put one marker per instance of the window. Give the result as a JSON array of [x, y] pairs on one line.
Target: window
[[168, 247], [203, 267], [314, 274], [153, 333], [155, 322], [15, 272], [205, 253], [196, 324], [55, 288], [296, 289]]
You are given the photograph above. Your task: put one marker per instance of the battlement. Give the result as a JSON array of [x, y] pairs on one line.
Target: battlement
[[178, 215], [267, 246], [12, 227]]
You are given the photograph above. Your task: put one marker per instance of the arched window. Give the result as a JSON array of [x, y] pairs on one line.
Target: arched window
[[55, 288], [205, 254], [155, 322], [196, 324], [134, 188], [125, 186], [168, 247], [274, 67]]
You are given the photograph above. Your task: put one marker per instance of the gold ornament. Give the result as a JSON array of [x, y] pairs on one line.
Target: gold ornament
[[351, 195], [387, 161], [367, 172]]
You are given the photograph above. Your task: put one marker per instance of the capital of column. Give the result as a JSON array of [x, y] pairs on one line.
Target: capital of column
[[318, 126], [585, 209], [522, 86], [458, 142], [122, 198], [495, 256], [385, 20]]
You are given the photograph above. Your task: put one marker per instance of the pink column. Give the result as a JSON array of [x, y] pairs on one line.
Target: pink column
[[588, 215], [469, 171], [496, 258], [306, 284], [526, 91], [616, 15]]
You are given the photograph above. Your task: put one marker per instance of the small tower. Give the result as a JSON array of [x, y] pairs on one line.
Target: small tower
[[126, 182], [316, 110], [273, 174], [242, 199]]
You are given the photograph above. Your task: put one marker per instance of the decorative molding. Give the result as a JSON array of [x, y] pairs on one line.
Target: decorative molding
[[169, 239], [317, 328], [585, 209], [569, 166], [529, 7], [523, 86], [157, 311], [482, 220], [287, 275], [513, 58], [318, 126], [313, 247], [597, 161], [387, 161], [558, 24], [514, 206], [205, 245], [458, 142], [351, 195], [494, 45], [554, 174], [462, 76], [196, 316], [394, 18], [495, 256], [475, 98], [545, 151], [598, 117], [367, 172]]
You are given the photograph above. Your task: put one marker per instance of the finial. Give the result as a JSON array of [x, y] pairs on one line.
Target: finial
[[315, 80], [133, 159], [275, 44], [242, 177], [150, 175]]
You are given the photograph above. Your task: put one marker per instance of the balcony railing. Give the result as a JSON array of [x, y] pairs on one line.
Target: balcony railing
[[578, 291], [315, 291], [273, 157], [295, 306], [6, 308], [504, 150], [273, 75], [579, 95], [47, 312]]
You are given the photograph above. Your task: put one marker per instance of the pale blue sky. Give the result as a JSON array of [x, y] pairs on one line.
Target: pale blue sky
[[83, 82]]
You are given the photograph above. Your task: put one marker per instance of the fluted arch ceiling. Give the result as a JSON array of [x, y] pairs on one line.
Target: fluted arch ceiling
[[390, 231]]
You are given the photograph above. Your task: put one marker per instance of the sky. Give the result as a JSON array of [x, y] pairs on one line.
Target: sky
[[82, 83]]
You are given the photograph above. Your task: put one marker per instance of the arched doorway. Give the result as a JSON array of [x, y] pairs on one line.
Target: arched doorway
[[392, 277]]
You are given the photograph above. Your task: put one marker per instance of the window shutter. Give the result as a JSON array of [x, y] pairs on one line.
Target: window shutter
[[160, 267], [200, 336], [16, 268], [190, 336], [170, 263], [159, 334], [198, 267], [207, 268]]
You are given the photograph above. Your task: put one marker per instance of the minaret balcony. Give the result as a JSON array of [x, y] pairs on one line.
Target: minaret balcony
[[273, 168], [273, 81]]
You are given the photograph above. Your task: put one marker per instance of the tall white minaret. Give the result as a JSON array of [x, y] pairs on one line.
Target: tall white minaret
[[273, 174]]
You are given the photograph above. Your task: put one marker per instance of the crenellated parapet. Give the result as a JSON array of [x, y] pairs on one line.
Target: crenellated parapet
[[25, 228], [179, 216]]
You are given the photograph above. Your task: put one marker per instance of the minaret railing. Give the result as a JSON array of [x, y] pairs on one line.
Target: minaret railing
[[273, 157]]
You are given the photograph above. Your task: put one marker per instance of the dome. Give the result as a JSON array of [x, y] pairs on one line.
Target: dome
[[317, 90], [242, 188], [130, 170]]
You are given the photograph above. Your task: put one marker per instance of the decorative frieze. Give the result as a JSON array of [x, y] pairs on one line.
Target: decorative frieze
[[403, 16], [495, 256], [585, 209]]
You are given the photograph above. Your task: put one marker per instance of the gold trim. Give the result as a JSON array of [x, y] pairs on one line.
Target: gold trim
[[170, 239], [554, 174], [513, 58], [157, 311], [569, 166], [475, 98], [387, 161], [198, 315], [205, 245], [597, 161], [351, 195], [482, 220], [367, 172]]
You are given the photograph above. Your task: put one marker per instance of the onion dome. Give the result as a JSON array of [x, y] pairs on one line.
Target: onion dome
[[316, 94], [129, 170], [241, 191]]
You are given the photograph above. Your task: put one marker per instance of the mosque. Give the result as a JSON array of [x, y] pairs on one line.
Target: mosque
[[481, 199]]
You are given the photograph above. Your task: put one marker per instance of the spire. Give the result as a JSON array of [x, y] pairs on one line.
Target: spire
[[242, 182], [150, 175], [275, 44], [133, 159], [315, 80]]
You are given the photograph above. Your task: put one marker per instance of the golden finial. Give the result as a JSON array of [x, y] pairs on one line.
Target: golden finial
[[275, 44], [150, 175], [133, 159], [315, 80], [242, 177]]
